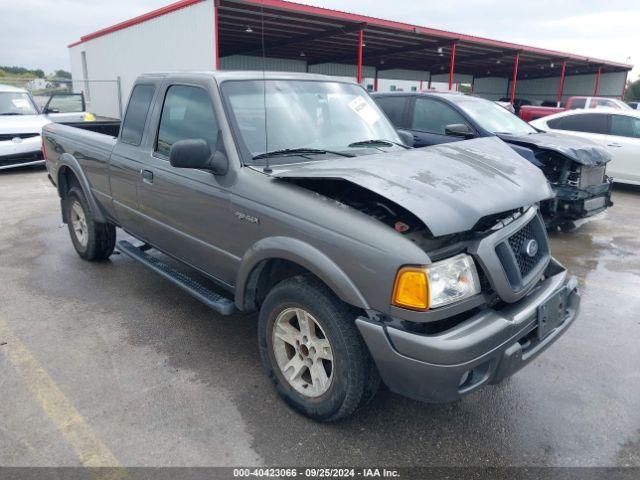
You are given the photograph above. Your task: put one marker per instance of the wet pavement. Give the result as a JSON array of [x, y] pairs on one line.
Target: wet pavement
[[161, 380]]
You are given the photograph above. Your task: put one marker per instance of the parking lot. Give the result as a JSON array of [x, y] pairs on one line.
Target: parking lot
[[149, 376]]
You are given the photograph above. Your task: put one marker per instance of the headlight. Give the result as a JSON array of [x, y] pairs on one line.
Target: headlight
[[439, 284]]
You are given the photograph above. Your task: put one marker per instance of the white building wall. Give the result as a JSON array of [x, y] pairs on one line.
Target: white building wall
[[180, 40]]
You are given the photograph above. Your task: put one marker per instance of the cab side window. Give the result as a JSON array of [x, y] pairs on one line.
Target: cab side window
[[187, 113], [432, 116], [136, 115], [624, 126]]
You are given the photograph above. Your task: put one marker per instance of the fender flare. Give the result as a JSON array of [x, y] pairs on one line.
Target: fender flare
[[303, 254], [67, 160]]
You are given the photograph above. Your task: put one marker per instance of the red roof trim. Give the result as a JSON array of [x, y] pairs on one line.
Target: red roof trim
[[353, 17], [136, 20]]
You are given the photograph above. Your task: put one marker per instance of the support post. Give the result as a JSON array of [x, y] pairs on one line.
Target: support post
[[452, 64], [624, 85], [561, 85], [119, 84], [597, 85], [375, 81], [360, 45], [216, 34], [429, 84], [473, 85], [514, 80]]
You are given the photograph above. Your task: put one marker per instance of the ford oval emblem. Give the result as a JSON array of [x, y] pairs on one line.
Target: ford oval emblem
[[531, 248], [16, 140]]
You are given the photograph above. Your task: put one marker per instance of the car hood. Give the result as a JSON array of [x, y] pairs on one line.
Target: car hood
[[581, 150], [22, 123], [448, 187]]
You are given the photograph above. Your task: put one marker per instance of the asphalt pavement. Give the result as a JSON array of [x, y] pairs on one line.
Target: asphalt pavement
[[109, 364]]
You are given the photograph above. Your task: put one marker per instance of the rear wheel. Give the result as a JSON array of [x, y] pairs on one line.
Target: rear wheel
[[313, 352], [93, 241]]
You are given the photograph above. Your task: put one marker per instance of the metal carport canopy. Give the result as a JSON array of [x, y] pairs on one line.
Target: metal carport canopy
[[321, 35]]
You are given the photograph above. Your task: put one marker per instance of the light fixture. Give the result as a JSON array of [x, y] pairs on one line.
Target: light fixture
[[552, 65], [440, 51], [382, 62], [302, 53], [488, 72], [249, 29], [441, 67], [498, 62], [364, 44]]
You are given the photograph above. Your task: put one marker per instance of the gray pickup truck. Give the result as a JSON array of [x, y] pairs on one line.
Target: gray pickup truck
[[294, 196]]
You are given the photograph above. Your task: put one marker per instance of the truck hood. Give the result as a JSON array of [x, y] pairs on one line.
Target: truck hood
[[448, 187], [22, 123], [580, 150]]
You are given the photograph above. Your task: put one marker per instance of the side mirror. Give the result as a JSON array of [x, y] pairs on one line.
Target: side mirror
[[459, 130], [406, 137], [195, 153]]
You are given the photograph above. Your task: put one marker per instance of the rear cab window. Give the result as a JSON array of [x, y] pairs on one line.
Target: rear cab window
[[187, 113], [136, 116]]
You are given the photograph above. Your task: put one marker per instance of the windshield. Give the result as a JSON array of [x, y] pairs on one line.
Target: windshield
[[493, 117], [313, 115], [16, 103]]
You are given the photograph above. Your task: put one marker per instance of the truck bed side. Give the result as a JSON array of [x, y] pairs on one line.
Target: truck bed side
[[83, 152]]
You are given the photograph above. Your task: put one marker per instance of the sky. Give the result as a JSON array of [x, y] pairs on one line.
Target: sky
[[35, 33]]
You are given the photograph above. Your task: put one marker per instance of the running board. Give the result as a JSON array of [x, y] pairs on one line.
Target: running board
[[220, 304]]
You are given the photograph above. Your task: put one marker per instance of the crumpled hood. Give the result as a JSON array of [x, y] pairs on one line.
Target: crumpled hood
[[581, 150], [448, 187], [22, 123]]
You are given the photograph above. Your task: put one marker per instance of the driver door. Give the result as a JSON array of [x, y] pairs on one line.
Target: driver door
[[187, 211]]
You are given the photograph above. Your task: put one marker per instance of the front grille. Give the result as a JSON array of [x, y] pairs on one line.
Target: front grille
[[518, 243], [11, 136], [590, 176], [520, 266]]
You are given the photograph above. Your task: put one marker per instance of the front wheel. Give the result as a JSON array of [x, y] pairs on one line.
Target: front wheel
[[313, 352], [93, 241]]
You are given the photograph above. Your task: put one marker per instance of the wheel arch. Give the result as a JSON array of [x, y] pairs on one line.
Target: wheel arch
[[70, 174], [275, 258]]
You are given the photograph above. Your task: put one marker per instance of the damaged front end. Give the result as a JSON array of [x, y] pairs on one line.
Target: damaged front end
[[581, 190], [576, 170]]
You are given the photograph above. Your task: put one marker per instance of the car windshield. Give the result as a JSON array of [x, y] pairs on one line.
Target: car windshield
[[16, 103], [494, 118], [306, 119]]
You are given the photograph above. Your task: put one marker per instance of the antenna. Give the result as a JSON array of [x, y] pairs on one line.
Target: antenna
[[267, 167]]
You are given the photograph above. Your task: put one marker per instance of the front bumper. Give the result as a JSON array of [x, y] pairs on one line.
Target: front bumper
[[574, 203], [484, 349], [25, 152]]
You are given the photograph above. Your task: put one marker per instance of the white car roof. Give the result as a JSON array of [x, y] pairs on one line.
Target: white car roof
[[583, 111], [11, 88]]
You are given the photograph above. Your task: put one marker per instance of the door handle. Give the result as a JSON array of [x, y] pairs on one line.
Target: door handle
[[617, 145], [147, 176]]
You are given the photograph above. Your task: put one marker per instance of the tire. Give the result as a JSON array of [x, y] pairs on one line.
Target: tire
[[351, 375], [93, 241]]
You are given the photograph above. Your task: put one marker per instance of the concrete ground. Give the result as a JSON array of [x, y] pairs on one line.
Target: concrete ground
[[109, 364]]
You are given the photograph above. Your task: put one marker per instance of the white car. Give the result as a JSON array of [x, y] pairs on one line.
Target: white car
[[616, 130], [20, 127]]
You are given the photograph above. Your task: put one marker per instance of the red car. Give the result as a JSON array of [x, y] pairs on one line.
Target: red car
[[531, 112]]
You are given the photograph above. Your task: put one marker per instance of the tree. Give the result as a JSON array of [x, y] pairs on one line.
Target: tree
[[62, 74], [632, 93]]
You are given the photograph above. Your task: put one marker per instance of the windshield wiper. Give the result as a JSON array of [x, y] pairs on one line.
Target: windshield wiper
[[300, 151], [11, 113], [376, 143]]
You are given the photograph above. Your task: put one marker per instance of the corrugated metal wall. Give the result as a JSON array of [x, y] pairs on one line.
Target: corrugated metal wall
[[181, 40], [245, 62], [492, 88], [574, 85]]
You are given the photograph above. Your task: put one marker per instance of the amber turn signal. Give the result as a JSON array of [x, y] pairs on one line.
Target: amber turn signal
[[411, 288]]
